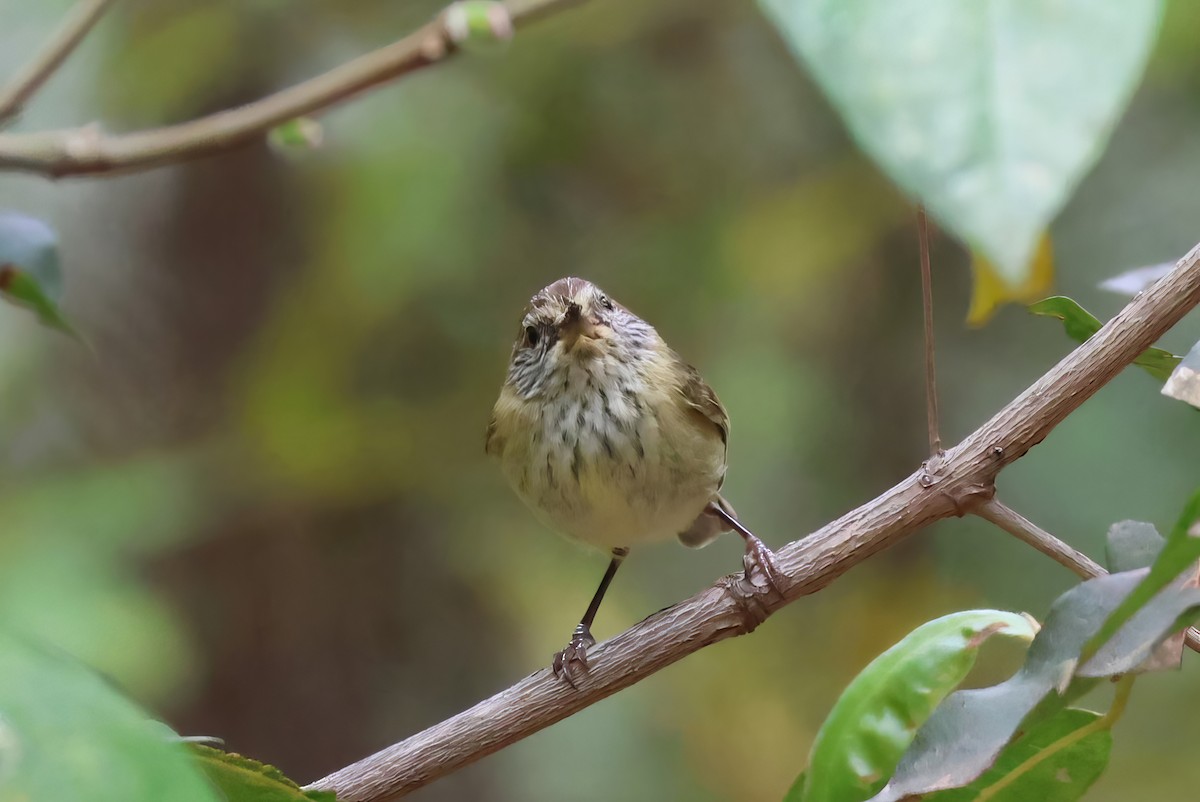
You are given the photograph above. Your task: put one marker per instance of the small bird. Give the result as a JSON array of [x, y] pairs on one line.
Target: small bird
[[611, 438]]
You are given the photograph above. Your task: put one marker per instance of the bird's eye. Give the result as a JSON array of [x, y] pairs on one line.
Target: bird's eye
[[531, 336], [606, 303]]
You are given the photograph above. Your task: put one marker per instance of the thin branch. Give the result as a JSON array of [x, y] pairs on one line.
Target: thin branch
[[88, 151], [1023, 529], [931, 401], [729, 607], [70, 33], [1026, 530]]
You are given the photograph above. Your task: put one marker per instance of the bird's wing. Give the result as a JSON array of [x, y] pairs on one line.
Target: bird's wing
[[491, 442], [701, 398]]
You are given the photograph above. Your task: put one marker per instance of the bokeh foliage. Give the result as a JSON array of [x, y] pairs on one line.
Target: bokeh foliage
[[262, 502]]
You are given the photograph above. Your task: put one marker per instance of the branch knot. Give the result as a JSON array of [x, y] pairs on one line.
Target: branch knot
[[751, 601]]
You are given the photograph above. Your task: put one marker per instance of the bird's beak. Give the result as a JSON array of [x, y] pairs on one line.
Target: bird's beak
[[574, 325]]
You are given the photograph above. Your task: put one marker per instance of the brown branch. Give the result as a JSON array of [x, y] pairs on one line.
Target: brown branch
[[963, 480], [931, 401], [1026, 530], [29, 79], [88, 151]]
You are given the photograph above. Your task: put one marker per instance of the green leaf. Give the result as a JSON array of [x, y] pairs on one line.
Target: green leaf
[[876, 717], [1180, 551], [1131, 545], [1133, 644], [1157, 362], [30, 275], [1184, 382], [23, 289], [65, 734], [1078, 759], [1081, 324], [989, 111], [1186, 522], [794, 793], [241, 779], [969, 729]]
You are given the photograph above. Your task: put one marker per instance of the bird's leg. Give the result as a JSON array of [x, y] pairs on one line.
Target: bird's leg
[[574, 658], [759, 561]]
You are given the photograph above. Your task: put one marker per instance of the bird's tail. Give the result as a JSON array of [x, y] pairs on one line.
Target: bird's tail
[[707, 526]]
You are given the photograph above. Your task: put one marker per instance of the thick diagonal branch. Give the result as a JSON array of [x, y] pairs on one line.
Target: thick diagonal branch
[[89, 151], [962, 481]]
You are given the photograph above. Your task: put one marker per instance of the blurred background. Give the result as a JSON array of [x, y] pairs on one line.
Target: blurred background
[[262, 505]]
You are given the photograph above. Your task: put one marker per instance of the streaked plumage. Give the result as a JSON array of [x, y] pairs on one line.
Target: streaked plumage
[[605, 433], [611, 438]]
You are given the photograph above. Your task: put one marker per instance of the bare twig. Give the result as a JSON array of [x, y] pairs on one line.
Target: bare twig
[[88, 151], [931, 403], [730, 608], [1024, 529], [30, 78]]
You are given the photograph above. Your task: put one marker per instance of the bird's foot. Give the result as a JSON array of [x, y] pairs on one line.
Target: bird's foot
[[759, 562], [571, 663]]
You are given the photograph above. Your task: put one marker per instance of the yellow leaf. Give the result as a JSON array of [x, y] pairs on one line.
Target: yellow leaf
[[990, 291]]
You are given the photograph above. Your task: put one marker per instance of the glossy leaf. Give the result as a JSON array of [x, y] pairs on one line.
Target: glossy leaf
[[1081, 324], [1157, 362], [1181, 550], [970, 728], [66, 734], [1134, 643], [1185, 525], [1132, 544], [1074, 753], [989, 112], [793, 794], [242, 779], [30, 274], [876, 717], [1136, 544], [1184, 382], [989, 291]]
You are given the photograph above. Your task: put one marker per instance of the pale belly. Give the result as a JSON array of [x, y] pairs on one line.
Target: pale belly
[[610, 472]]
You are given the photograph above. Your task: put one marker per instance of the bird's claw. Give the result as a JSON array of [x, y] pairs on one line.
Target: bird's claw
[[571, 663], [759, 562]]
